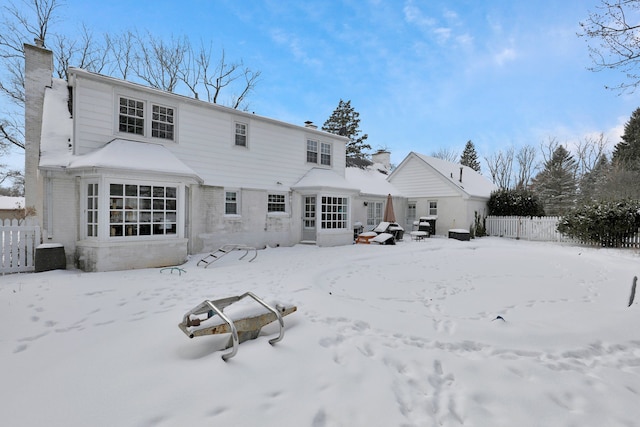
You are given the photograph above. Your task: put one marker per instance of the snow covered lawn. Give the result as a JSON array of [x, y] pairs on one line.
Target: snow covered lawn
[[383, 336]]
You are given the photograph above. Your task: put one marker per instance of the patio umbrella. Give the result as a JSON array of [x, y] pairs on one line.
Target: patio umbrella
[[389, 215]]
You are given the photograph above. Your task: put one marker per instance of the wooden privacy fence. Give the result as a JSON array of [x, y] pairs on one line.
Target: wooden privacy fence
[[18, 242]]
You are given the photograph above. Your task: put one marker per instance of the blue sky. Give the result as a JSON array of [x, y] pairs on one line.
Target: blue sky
[[424, 75]]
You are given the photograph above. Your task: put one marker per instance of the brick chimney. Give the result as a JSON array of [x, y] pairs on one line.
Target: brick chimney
[[38, 64]]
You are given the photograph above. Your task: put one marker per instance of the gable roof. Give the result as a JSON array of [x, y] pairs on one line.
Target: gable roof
[[466, 180]]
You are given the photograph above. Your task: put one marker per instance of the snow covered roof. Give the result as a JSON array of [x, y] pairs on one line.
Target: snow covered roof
[[123, 154], [472, 183], [323, 178], [57, 126], [9, 203], [370, 181]]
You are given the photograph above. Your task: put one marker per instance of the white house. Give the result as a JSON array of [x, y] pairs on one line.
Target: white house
[[449, 192], [126, 176], [369, 206]]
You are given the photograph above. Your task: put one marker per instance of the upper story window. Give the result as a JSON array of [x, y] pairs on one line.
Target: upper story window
[[162, 122], [231, 203], [312, 151], [276, 203], [318, 152], [325, 154], [241, 134], [131, 116]]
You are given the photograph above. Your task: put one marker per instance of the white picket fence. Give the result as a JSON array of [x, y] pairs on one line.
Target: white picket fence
[[18, 242], [541, 228]]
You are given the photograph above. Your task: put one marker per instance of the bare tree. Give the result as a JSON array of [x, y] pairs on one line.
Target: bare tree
[[500, 166], [153, 60], [613, 34], [588, 152], [122, 49], [158, 62], [25, 21], [447, 154], [525, 158]]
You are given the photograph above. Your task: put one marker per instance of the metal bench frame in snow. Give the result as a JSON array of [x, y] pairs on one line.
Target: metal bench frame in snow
[[214, 256], [241, 329]]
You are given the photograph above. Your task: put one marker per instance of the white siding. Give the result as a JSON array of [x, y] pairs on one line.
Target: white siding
[[275, 156], [419, 180]]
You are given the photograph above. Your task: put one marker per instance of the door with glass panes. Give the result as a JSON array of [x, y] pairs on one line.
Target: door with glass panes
[[309, 218]]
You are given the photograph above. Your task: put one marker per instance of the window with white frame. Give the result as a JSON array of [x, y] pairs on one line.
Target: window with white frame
[[131, 117], [142, 210], [162, 122], [318, 152], [433, 208], [231, 203], [92, 209], [276, 203], [374, 214], [325, 154], [312, 151], [241, 134], [334, 212]]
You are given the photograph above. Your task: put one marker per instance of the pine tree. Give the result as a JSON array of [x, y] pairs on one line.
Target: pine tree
[[627, 152], [593, 184], [346, 121], [556, 184], [469, 157]]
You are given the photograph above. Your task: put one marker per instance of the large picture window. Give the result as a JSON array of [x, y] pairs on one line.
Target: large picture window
[[142, 210], [334, 212]]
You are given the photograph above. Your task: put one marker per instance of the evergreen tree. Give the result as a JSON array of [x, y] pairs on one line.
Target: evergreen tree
[[556, 184], [469, 157], [346, 121], [627, 152], [593, 184]]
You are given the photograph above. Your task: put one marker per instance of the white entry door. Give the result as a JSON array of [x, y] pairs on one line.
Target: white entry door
[[309, 219]]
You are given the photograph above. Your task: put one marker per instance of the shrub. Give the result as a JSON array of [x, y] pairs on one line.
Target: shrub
[[606, 223], [515, 202]]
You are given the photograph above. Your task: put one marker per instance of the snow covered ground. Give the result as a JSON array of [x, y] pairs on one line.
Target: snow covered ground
[[401, 335]]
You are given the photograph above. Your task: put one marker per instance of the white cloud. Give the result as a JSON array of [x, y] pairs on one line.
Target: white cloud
[[507, 54], [294, 45]]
